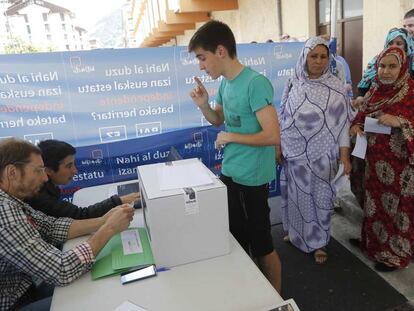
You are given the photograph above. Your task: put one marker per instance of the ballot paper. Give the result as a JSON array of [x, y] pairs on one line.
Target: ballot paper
[[372, 126], [360, 148], [340, 181], [183, 175]]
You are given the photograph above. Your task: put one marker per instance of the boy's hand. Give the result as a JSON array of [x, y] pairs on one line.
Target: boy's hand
[[129, 198], [223, 138], [199, 94]]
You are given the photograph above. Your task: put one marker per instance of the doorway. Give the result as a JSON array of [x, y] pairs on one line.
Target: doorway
[[349, 32]]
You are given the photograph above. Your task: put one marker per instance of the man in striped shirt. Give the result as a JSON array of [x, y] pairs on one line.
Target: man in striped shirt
[[28, 237]]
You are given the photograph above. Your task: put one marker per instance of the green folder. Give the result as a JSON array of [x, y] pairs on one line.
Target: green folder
[[111, 259]]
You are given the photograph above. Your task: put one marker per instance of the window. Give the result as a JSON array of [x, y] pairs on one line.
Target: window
[[324, 11], [66, 37], [352, 8], [47, 27], [49, 37], [26, 19], [28, 29], [67, 47], [44, 17], [62, 17], [63, 27]]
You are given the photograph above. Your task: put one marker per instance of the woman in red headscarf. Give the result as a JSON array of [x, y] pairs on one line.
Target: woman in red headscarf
[[388, 225]]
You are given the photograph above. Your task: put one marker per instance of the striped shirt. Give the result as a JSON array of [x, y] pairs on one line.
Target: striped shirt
[[27, 239]]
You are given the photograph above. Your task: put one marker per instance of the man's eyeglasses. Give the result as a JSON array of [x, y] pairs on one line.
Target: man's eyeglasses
[[37, 169]]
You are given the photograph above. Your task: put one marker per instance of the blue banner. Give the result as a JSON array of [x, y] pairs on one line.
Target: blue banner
[[121, 102]]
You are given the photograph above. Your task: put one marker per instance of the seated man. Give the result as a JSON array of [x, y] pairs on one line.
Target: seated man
[[28, 236], [59, 159]]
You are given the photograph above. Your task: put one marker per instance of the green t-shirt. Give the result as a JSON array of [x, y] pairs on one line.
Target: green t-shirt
[[240, 99]]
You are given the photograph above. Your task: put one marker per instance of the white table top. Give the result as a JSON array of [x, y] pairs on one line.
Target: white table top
[[230, 282]]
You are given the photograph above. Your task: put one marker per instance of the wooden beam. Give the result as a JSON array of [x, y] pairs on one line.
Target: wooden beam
[[159, 42], [207, 6], [152, 43], [157, 36], [157, 33], [175, 27], [183, 18]]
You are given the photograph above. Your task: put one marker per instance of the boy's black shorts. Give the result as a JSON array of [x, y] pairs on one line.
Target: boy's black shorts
[[249, 216]]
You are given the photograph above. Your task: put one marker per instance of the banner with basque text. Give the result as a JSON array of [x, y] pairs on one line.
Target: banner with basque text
[[115, 103]]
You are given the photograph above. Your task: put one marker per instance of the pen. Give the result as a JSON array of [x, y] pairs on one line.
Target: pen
[[162, 269]]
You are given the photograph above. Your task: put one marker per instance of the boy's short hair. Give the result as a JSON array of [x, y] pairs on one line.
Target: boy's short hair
[[409, 14], [54, 151], [212, 34]]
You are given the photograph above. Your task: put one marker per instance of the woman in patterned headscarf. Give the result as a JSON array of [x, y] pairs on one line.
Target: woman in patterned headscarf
[[314, 136], [388, 225], [396, 37]]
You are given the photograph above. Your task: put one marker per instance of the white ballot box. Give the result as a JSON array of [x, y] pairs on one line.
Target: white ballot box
[[185, 212]]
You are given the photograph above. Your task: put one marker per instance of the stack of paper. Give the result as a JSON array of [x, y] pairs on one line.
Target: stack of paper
[[126, 250], [183, 175]]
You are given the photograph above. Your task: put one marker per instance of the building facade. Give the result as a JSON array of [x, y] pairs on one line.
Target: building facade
[[42, 25], [361, 24]]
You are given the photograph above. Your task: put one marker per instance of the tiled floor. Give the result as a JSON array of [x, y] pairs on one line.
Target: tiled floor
[[346, 224]]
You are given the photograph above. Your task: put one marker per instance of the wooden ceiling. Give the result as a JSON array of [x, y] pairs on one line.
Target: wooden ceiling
[[176, 22]]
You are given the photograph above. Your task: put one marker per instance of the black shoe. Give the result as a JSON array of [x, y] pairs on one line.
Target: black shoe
[[379, 266], [355, 242]]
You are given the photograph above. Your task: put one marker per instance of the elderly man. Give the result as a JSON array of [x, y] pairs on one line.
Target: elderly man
[[27, 250]]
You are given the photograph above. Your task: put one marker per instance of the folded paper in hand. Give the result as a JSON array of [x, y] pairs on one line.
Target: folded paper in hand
[[340, 181], [371, 125]]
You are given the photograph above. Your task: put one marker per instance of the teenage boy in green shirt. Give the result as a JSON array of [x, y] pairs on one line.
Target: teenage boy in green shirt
[[244, 104]]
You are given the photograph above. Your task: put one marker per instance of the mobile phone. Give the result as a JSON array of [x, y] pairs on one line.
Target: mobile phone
[[138, 274]]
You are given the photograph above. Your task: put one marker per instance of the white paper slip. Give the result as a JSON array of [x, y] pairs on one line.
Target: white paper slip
[[371, 125], [360, 148], [131, 242], [340, 181], [338, 174], [183, 175], [129, 306], [190, 202]]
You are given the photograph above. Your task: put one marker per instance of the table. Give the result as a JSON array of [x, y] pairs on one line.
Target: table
[[230, 282]]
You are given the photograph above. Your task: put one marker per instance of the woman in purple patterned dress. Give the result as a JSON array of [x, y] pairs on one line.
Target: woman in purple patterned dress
[[314, 119]]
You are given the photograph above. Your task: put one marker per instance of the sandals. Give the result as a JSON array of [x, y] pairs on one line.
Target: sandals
[[355, 242], [320, 255], [379, 266]]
